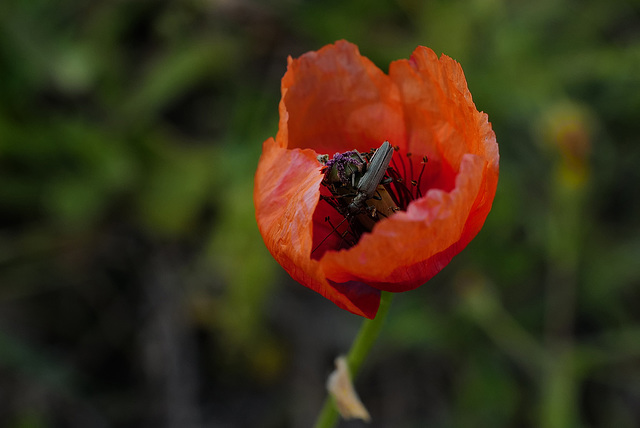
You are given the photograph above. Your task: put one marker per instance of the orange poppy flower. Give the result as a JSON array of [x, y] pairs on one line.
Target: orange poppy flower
[[442, 176]]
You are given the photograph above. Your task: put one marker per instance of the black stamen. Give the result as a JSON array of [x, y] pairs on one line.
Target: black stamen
[[410, 170], [404, 169], [403, 194], [408, 197], [424, 164], [392, 191], [393, 163]]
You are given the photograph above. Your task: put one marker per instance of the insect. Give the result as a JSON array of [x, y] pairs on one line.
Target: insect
[[356, 182]]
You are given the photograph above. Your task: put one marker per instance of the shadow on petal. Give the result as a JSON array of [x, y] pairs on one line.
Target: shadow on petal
[[368, 298]]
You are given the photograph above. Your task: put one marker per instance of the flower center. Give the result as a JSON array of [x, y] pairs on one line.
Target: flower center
[[406, 186], [364, 188]]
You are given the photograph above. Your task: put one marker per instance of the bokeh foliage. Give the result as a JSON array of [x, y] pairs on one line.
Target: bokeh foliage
[[134, 286]]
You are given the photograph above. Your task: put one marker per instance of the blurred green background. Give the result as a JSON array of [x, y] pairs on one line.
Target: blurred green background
[[135, 290]]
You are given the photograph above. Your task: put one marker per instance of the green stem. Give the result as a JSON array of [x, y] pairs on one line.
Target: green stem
[[360, 348]]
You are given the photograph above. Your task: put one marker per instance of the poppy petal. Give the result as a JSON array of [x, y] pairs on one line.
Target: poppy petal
[[335, 98], [286, 192], [409, 248]]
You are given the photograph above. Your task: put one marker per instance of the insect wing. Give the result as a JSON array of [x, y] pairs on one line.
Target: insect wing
[[376, 169]]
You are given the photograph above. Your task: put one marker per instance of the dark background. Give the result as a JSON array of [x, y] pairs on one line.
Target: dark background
[[135, 290]]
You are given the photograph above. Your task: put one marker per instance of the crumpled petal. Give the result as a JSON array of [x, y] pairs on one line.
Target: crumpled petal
[[335, 100], [285, 211]]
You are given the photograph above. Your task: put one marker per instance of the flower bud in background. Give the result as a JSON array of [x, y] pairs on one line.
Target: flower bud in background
[[566, 131]]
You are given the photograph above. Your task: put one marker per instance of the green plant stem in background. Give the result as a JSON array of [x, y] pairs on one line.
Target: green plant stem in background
[[360, 348]]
